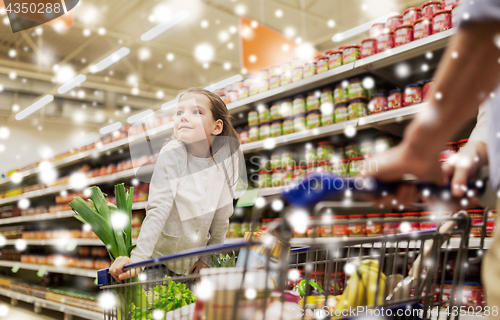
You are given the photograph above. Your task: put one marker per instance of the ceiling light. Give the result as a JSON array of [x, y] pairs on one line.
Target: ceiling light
[[289, 32], [224, 83], [165, 25], [170, 56], [140, 116], [12, 75], [75, 82], [160, 94], [233, 29], [240, 10], [110, 128], [204, 52], [101, 31], [35, 106], [12, 53], [144, 54], [331, 23], [230, 45], [135, 91], [226, 65], [86, 32], [278, 13], [223, 36], [204, 24], [109, 60]]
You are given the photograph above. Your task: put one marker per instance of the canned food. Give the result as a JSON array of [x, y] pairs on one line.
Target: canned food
[[299, 173], [275, 111], [392, 227], [413, 94], [277, 178], [288, 175], [351, 150], [402, 35], [286, 78], [366, 147], [394, 22], [276, 161], [378, 103], [297, 62], [264, 114], [334, 58], [356, 165], [340, 94], [448, 4], [385, 41], [313, 119], [288, 158], [395, 99], [263, 85], [409, 226], [312, 102], [341, 112], [312, 168], [322, 63], [411, 15], [454, 15], [441, 21], [356, 90], [311, 156], [351, 53], [357, 108], [243, 92], [422, 28], [253, 89], [368, 47], [377, 29], [429, 8], [274, 71], [428, 223], [340, 167]]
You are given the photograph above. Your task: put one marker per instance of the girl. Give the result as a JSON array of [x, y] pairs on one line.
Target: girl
[[191, 190]]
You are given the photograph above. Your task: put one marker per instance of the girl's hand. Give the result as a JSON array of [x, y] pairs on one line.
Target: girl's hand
[[197, 266], [116, 269]]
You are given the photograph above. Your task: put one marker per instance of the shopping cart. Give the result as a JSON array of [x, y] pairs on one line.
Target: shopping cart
[[399, 276]]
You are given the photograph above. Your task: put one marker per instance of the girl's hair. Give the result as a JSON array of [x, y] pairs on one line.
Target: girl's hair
[[220, 111]]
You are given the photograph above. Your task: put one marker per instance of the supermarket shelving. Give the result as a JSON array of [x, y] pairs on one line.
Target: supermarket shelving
[[90, 273], [84, 313], [59, 242]]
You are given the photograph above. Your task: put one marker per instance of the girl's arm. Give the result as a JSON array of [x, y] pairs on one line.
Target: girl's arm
[[218, 229], [162, 191]]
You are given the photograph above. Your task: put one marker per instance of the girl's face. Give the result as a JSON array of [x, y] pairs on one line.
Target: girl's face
[[194, 120]]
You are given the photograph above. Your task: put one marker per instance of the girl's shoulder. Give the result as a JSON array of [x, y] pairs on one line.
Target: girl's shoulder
[[174, 151]]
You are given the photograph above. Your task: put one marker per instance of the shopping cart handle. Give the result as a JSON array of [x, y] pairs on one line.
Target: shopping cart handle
[[322, 185]]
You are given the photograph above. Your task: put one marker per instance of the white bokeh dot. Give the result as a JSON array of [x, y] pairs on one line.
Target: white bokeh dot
[[439, 95], [350, 131], [368, 83], [454, 54], [23, 204]]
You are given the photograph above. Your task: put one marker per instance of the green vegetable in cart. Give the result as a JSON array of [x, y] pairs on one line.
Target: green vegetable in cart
[[303, 284], [224, 261]]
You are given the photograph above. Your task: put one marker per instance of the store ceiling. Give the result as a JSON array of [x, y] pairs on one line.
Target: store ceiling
[[124, 22]]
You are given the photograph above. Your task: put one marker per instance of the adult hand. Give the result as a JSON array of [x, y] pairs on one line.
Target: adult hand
[[197, 266], [116, 269]]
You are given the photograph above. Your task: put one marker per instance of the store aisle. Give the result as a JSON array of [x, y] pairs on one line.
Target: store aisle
[[23, 312]]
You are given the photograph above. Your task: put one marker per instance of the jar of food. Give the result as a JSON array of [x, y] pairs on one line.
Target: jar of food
[[264, 131], [441, 21], [422, 28], [327, 114], [394, 22], [357, 109], [263, 85], [243, 92], [312, 101], [264, 114], [299, 122], [340, 94], [385, 41], [462, 143], [265, 179], [391, 223], [276, 161], [366, 147], [351, 150], [274, 71], [253, 89], [232, 96], [297, 62], [356, 165], [299, 105], [311, 156], [297, 74], [429, 222], [288, 158], [378, 103], [373, 228], [286, 109], [409, 226], [322, 63], [377, 29], [244, 135], [335, 58], [454, 15], [411, 15], [312, 168], [448, 4], [340, 226], [253, 134], [368, 47], [313, 119], [288, 125], [325, 166], [286, 78], [276, 111], [351, 53], [253, 118], [341, 112], [357, 225], [339, 167], [429, 8], [274, 82], [426, 89], [325, 150], [403, 34], [395, 99], [276, 128], [264, 74], [299, 173], [326, 96], [356, 90], [309, 69], [413, 94], [288, 175], [277, 178]]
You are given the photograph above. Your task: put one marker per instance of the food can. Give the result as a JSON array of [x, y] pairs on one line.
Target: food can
[[312, 102], [335, 58], [285, 78], [426, 89], [355, 165], [422, 28], [264, 113], [411, 15], [355, 90], [395, 99], [403, 35], [357, 108], [325, 150], [429, 8], [276, 161], [313, 119], [288, 175], [385, 41], [368, 47], [394, 22], [340, 167], [377, 29], [274, 71], [265, 179], [299, 173], [276, 111], [322, 63], [340, 94], [243, 92], [441, 21], [263, 85], [378, 103], [413, 94], [277, 178], [351, 53]]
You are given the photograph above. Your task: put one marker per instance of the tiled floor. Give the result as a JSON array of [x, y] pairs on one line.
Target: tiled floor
[[23, 312]]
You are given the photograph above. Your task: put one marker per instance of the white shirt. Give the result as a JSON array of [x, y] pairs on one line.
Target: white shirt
[[189, 205]]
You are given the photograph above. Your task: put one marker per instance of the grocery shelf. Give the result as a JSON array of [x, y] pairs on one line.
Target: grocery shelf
[[90, 273], [37, 217], [92, 181], [379, 60], [58, 242], [61, 307]]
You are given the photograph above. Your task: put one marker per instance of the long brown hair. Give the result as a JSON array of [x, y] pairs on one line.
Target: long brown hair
[[220, 111]]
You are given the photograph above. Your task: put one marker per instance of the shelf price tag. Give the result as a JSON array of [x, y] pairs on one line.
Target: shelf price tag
[[16, 267], [41, 272], [248, 198]]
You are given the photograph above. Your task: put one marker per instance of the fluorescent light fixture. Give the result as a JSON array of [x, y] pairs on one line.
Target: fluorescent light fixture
[[360, 29], [224, 83], [164, 26], [34, 107], [109, 60], [112, 127], [75, 82], [169, 104], [139, 116]]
